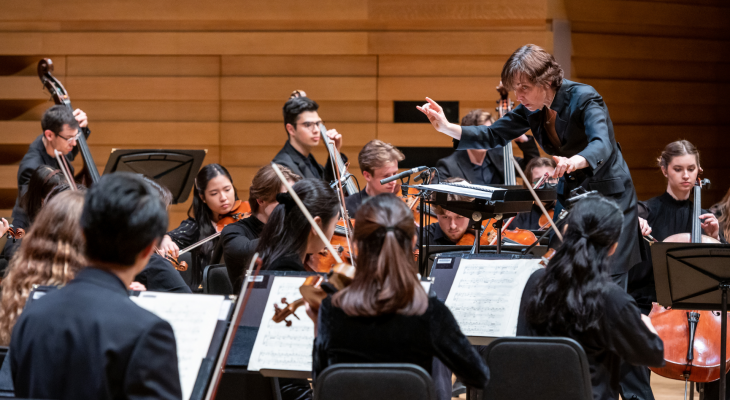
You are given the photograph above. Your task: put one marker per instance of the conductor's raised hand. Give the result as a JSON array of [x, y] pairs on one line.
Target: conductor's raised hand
[[435, 114], [335, 137]]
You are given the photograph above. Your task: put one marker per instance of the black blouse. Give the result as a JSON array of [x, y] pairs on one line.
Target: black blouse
[[621, 335], [239, 241], [187, 234], [395, 338]]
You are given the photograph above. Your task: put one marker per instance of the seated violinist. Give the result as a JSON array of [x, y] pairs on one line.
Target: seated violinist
[[451, 227], [575, 297], [384, 315], [536, 169], [378, 160], [241, 237]]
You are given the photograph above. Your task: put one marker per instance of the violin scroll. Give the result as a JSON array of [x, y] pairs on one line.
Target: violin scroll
[[179, 265], [15, 233], [281, 314]]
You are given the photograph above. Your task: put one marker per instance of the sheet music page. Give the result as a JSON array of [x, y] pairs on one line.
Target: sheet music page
[[485, 296], [279, 346], [193, 318]]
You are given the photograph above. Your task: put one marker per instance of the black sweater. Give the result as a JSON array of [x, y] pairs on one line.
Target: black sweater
[[395, 338], [239, 245]]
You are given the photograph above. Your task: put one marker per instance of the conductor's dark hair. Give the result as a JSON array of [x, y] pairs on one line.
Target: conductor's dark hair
[[199, 211], [534, 64], [287, 230], [569, 298], [122, 216], [44, 178], [55, 117], [295, 106]]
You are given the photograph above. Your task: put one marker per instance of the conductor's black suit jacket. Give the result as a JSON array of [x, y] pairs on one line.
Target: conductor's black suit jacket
[[584, 128], [88, 340]]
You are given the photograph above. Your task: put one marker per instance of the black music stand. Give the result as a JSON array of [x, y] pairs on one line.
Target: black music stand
[[695, 276], [173, 169]]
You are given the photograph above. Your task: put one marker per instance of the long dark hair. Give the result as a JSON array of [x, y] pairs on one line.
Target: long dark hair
[[44, 178], [287, 230], [385, 281], [199, 211], [569, 298]]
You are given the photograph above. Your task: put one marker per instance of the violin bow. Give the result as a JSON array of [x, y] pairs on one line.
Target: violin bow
[[65, 169], [537, 199], [340, 192], [306, 213]]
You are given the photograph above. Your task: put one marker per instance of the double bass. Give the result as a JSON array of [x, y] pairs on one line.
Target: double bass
[[691, 338], [89, 175]]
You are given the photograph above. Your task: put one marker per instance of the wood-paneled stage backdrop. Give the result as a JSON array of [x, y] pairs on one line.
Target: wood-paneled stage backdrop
[[184, 74]]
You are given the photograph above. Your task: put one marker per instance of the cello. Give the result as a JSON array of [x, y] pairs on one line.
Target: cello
[[691, 338], [89, 175]]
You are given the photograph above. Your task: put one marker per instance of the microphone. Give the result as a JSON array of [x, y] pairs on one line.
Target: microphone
[[402, 174]]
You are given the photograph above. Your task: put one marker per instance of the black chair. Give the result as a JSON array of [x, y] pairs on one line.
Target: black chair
[[374, 382], [535, 368], [216, 281]]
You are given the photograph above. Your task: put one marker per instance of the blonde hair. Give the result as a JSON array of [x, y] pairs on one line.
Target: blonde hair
[[376, 153], [50, 254]]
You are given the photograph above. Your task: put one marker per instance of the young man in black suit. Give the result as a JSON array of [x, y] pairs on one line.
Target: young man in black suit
[[480, 166], [302, 123], [378, 160], [88, 340]]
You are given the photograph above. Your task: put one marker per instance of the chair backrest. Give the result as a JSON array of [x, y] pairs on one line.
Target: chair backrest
[[374, 382], [536, 368], [216, 281]]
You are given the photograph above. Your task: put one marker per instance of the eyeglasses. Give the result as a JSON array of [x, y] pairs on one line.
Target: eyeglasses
[[548, 183], [72, 138], [309, 124]]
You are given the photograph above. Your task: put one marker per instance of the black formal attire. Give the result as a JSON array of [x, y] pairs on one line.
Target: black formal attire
[[583, 128], [306, 167], [353, 202], [530, 220], [396, 338], [621, 335], [187, 234], [458, 165], [239, 241], [161, 276], [436, 236], [88, 340], [666, 216]]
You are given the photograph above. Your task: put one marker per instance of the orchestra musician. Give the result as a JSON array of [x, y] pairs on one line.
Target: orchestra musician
[[661, 217], [570, 121], [378, 160], [302, 122], [536, 169], [52, 253], [480, 166], [384, 315], [214, 195], [450, 226], [241, 237], [574, 297], [88, 340]]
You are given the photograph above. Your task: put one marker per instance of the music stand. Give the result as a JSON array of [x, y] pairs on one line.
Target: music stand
[[695, 276], [173, 169]]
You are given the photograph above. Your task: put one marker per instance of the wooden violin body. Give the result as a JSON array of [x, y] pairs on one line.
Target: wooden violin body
[[15, 233], [324, 261], [240, 210]]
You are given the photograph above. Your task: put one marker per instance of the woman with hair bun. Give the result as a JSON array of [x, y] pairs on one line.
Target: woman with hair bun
[[574, 297]]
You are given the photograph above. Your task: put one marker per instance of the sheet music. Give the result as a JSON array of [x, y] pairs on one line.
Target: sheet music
[[485, 296], [193, 318], [279, 346]]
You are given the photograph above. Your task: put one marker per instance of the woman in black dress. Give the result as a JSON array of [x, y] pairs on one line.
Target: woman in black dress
[[570, 121], [241, 237], [213, 196], [574, 297], [384, 315]]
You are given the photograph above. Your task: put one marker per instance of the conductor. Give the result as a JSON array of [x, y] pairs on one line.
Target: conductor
[[570, 121]]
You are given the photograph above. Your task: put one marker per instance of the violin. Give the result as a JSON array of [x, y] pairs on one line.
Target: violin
[[324, 261], [240, 210], [691, 338], [15, 233], [543, 221], [89, 175]]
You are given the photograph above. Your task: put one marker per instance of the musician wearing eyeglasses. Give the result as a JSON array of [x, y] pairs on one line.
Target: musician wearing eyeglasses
[[536, 169], [302, 124]]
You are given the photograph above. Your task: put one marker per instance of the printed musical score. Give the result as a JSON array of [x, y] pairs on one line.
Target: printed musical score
[[193, 318], [485, 296], [279, 346]]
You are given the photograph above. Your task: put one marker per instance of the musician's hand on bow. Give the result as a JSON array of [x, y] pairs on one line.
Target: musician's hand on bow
[[644, 226], [710, 225], [568, 165], [335, 137], [167, 246], [436, 115], [81, 118], [137, 287], [4, 227]]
